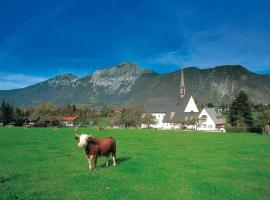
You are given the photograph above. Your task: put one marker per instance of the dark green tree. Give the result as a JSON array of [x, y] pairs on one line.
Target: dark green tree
[[6, 112], [240, 111], [210, 105], [263, 118]]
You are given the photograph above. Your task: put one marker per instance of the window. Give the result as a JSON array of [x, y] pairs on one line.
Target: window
[[210, 126], [204, 118], [203, 125]]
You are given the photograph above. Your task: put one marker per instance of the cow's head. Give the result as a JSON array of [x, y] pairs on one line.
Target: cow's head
[[82, 139]]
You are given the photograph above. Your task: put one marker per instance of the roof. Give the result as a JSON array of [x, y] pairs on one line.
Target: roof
[[181, 116], [69, 118], [157, 105], [168, 106], [32, 118], [215, 115]]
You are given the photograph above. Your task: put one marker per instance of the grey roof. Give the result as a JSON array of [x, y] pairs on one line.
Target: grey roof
[[215, 115], [169, 106]]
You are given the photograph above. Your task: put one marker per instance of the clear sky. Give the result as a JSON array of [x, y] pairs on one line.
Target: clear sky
[[41, 39]]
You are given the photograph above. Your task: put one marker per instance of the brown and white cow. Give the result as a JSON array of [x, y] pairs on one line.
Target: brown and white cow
[[95, 147]]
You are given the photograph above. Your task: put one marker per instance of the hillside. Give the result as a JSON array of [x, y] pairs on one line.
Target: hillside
[[128, 83]]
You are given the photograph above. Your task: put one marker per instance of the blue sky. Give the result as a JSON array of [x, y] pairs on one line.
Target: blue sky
[[41, 39]]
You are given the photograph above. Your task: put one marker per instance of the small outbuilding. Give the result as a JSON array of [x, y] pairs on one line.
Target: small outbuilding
[[69, 121]]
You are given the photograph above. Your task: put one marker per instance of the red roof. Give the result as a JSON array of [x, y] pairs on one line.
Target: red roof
[[69, 118]]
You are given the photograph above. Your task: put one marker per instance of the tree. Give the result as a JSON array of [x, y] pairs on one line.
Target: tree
[[44, 109], [210, 105], [132, 116], [67, 110], [6, 112], [263, 118], [240, 111], [116, 120], [148, 119], [194, 121], [105, 111]]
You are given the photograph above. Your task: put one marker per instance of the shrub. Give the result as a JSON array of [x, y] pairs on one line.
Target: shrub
[[238, 129]]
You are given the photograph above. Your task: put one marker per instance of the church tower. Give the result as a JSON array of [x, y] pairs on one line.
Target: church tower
[[182, 85]]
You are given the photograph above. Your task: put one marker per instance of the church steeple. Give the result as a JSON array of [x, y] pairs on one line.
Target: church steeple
[[182, 85]]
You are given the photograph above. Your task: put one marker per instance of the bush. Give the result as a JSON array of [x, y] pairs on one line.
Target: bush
[[41, 123], [237, 129], [54, 122]]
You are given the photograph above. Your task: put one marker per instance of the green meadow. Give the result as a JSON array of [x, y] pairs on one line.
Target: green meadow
[[39, 163]]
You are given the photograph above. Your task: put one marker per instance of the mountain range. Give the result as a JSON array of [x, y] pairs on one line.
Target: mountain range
[[129, 84]]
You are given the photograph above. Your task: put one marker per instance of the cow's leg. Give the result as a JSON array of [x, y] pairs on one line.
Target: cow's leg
[[107, 161], [113, 158], [95, 162], [90, 158]]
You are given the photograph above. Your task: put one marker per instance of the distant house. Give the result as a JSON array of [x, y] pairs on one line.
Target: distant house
[[211, 120], [69, 121], [31, 120], [118, 110]]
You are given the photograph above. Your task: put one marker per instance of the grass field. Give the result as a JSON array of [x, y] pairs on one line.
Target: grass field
[[45, 164]]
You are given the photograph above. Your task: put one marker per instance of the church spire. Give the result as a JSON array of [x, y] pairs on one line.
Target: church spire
[[182, 85]]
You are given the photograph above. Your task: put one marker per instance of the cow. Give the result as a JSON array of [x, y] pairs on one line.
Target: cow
[[96, 147]]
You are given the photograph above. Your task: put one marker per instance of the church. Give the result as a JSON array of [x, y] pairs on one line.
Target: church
[[172, 114]]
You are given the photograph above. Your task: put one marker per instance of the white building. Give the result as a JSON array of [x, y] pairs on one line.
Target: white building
[[174, 114], [211, 120]]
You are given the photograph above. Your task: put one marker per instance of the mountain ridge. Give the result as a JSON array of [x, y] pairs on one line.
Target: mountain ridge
[[128, 83]]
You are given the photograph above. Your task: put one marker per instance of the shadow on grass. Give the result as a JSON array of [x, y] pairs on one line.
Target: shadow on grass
[[122, 159], [7, 178]]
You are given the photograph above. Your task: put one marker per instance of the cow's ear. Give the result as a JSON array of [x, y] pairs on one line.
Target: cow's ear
[[91, 140], [77, 138]]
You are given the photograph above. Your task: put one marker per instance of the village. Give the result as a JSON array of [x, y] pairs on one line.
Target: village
[[157, 113]]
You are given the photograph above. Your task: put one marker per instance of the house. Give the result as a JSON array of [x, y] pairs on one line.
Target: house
[[211, 120], [172, 113], [69, 121], [31, 120], [119, 110]]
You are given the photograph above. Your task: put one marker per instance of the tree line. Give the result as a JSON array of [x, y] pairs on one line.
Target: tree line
[[242, 113], [101, 117]]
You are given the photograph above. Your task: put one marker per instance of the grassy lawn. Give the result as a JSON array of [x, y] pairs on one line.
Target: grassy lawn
[[46, 164]]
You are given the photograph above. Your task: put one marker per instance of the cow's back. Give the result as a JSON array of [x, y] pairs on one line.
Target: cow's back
[[106, 145]]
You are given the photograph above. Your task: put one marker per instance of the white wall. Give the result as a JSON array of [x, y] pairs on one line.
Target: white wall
[[191, 106], [159, 118], [208, 124]]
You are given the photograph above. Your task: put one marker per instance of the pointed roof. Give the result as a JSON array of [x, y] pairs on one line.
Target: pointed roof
[[215, 115]]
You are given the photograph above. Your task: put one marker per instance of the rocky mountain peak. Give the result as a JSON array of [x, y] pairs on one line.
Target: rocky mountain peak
[[67, 79], [126, 68], [118, 79]]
